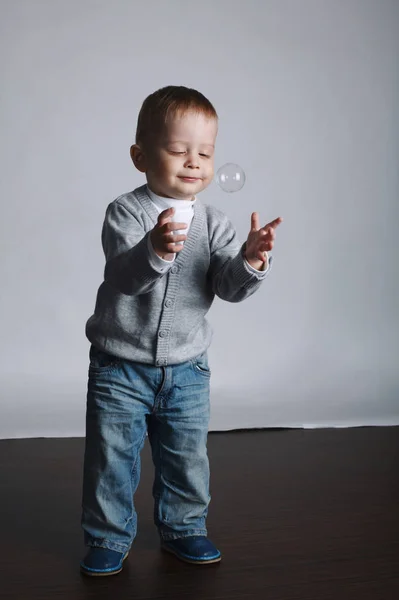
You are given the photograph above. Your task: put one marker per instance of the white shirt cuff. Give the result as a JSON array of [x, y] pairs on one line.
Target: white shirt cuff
[[158, 263]]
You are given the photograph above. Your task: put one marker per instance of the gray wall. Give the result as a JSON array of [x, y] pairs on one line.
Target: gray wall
[[307, 93]]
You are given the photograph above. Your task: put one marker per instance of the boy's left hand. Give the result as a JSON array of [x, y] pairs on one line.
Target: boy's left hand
[[260, 240]]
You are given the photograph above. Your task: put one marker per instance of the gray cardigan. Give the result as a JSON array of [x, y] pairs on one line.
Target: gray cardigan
[[159, 318]]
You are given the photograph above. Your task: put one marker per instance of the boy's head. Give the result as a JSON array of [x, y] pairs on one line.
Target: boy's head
[[175, 142]]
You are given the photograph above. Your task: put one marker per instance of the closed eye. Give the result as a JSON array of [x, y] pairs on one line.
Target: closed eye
[[181, 153]]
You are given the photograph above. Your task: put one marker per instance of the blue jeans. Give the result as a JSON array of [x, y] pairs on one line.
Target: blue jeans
[[125, 400]]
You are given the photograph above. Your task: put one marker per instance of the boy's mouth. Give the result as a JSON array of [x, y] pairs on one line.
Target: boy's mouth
[[190, 179]]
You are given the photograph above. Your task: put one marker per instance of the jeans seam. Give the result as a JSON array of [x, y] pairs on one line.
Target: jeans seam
[[157, 404], [162, 487], [132, 474]]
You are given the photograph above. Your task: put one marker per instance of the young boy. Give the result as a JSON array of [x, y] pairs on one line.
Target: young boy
[[167, 255]]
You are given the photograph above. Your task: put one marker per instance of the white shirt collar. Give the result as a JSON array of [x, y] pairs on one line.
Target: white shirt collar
[[170, 202]]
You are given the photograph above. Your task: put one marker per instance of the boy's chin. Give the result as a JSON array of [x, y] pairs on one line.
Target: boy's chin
[[185, 195], [186, 191], [180, 191]]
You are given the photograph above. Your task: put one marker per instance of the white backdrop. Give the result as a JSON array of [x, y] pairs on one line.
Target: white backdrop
[[307, 93]]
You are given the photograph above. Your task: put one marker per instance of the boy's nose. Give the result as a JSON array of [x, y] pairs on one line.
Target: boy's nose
[[192, 162]]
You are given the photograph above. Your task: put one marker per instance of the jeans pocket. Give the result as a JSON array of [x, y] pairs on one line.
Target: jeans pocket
[[101, 362], [201, 365]]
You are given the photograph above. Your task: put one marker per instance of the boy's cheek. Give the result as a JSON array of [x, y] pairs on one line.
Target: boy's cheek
[[210, 174], [169, 164]]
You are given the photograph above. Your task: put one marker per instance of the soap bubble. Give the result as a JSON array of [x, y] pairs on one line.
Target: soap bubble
[[230, 177]]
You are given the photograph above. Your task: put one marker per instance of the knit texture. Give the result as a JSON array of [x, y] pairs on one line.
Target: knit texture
[[160, 318]]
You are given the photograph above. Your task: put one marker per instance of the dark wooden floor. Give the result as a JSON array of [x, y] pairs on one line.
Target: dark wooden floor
[[297, 514]]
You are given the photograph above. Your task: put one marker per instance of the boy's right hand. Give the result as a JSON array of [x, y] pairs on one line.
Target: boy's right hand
[[162, 237]]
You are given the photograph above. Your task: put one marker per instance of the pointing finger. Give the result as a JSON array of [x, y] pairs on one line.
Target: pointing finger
[[254, 221], [273, 223]]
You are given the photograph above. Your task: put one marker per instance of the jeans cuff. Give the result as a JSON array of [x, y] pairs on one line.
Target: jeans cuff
[[177, 535], [108, 545]]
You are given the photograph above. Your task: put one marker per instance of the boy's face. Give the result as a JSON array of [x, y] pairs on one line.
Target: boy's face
[[180, 162]]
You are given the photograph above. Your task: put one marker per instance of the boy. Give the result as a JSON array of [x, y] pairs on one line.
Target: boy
[[167, 255]]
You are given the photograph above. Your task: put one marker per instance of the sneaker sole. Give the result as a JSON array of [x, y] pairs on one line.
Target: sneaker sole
[[189, 560], [103, 574]]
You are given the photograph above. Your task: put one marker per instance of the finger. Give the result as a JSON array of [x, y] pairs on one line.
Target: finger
[[270, 237], [270, 244], [171, 226], [261, 256], [266, 247], [167, 212], [268, 234], [265, 236], [263, 233], [254, 221], [171, 239], [172, 248], [165, 216], [275, 223]]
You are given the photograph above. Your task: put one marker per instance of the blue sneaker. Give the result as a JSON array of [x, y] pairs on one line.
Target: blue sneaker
[[101, 561], [196, 549]]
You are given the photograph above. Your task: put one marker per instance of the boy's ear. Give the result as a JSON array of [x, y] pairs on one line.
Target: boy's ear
[[138, 158]]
